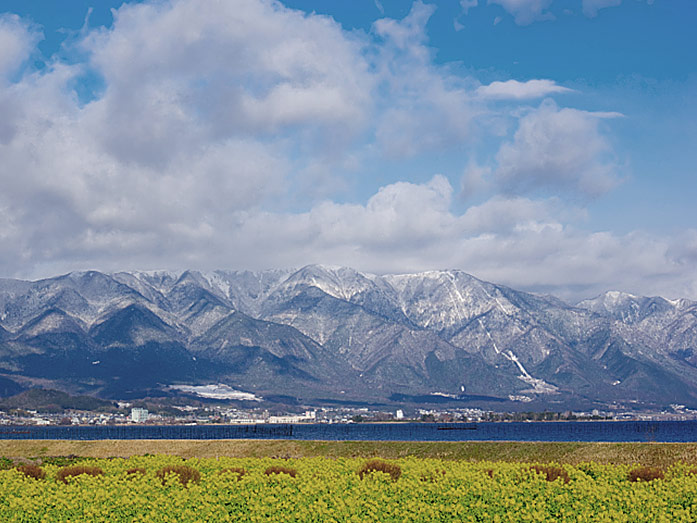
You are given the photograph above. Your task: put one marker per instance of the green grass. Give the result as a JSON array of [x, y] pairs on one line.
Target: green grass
[[648, 454]]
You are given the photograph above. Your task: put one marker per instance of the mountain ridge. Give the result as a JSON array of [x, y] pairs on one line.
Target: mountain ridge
[[331, 331]]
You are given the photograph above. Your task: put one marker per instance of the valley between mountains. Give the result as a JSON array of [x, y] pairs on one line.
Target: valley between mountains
[[333, 334]]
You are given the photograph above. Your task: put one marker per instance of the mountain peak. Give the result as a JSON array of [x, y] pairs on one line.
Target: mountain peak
[[336, 281], [628, 308]]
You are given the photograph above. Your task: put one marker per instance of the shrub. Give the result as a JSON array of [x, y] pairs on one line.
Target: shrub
[[431, 477], [76, 470], [32, 471], [186, 474], [645, 474], [239, 472], [377, 465], [281, 470], [63, 461], [551, 472]]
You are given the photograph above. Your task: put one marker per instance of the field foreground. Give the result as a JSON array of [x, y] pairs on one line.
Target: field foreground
[[192, 481], [169, 488]]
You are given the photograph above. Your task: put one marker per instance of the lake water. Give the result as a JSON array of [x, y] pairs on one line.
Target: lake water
[[676, 431]]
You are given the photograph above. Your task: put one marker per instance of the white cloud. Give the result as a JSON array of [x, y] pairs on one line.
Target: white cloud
[[591, 7], [17, 41], [517, 241], [426, 107], [515, 90], [398, 216], [559, 149], [474, 180], [467, 5], [526, 12], [192, 73], [207, 111]]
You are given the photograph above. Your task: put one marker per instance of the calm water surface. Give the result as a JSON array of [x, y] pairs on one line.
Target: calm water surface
[[675, 431]]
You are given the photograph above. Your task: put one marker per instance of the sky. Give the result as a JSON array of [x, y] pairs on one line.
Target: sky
[[548, 145]]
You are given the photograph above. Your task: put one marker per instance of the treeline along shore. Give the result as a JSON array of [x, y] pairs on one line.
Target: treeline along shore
[[650, 454]]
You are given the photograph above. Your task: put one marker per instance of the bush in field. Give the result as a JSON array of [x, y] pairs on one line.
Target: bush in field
[[431, 477], [645, 474], [186, 474], [63, 461], [237, 471], [378, 465], [551, 472], [281, 470], [32, 471], [76, 470]]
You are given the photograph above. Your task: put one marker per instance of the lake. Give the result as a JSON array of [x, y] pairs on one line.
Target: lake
[[640, 431]]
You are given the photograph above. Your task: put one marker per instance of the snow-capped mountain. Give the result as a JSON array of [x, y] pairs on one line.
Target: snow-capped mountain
[[333, 332]]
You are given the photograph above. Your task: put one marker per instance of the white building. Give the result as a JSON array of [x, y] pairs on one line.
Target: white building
[[309, 415], [139, 415]]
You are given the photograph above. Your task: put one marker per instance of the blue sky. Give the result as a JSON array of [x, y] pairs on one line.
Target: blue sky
[[545, 144]]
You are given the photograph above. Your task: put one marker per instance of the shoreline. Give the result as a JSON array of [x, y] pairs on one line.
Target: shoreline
[[645, 453]]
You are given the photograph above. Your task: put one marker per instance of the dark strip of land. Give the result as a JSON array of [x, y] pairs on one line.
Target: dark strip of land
[[651, 454]]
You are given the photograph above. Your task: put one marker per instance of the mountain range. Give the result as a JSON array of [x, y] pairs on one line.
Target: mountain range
[[338, 335]]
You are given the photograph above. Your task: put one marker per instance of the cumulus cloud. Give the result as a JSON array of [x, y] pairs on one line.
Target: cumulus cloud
[[192, 73], [205, 112], [426, 107], [557, 148], [526, 243], [515, 90], [17, 41]]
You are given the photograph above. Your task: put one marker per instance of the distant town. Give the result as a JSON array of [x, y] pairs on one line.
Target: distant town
[[127, 414]]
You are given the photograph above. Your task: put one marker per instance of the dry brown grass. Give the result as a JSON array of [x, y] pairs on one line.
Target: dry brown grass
[[77, 470], [276, 469], [32, 471], [551, 472], [661, 455], [184, 473], [378, 465], [645, 474]]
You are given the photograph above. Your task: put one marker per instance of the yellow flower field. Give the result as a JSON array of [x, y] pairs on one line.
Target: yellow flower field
[[326, 490]]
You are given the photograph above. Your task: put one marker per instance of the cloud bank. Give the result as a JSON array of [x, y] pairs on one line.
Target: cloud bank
[[221, 136]]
